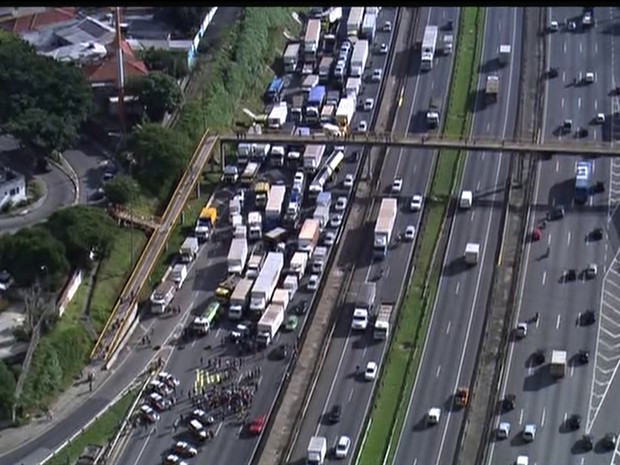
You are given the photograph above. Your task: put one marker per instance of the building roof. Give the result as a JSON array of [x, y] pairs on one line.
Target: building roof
[[106, 70], [19, 24], [86, 30], [81, 53], [173, 45]]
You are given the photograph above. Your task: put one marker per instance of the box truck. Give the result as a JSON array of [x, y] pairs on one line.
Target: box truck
[[309, 236], [240, 298], [384, 227], [189, 249], [237, 256], [269, 324], [266, 282]]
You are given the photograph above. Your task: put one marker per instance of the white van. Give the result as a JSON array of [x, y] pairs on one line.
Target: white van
[[467, 198]]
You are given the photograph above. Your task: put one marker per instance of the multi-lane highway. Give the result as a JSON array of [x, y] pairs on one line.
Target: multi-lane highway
[[456, 323], [586, 389], [338, 383]]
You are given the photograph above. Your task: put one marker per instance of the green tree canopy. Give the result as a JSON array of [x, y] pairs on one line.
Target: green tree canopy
[[7, 390], [160, 156], [122, 189], [45, 375], [158, 92], [170, 62], [42, 101], [33, 253], [81, 229]]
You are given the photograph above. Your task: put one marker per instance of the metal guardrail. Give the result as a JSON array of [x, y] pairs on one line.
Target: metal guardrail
[[128, 295]]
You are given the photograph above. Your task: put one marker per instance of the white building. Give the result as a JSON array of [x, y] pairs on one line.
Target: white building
[[12, 187]]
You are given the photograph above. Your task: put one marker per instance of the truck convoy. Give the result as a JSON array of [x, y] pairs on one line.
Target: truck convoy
[[472, 253], [557, 367], [492, 89], [189, 249], [205, 223], [363, 306], [317, 448], [237, 256], [269, 324], [428, 47], [382, 322], [266, 283], [359, 58], [239, 299], [384, 227], [354, 21]]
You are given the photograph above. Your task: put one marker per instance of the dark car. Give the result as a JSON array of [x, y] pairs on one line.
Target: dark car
[[556, 213], [583, 356], [599, 187], [43, 165], [301, 308], [567, 126], [509, 402], [574, 421], [581, 133], [587, 442], [588, 318], [571, 275], [552, 73], [596, 234], [355, 156], [609, 441], [539, 357], [334, 414]]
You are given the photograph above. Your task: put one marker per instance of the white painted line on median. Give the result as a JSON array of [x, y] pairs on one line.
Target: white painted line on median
[[521, 417], [458, 287], [448, 328], [549, 239], [557, 322], [473, 215], [438, 371], [542, 420], [568, 238], [544, 278]]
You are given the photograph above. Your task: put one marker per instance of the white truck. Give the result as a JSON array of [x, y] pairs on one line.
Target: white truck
[[313, 154], [363, 305], [298, 264], [162, 296], [318, 183], [273, 210], [281, 297], [384, 227], [254, 264], [433, 115], [325, 69], [255, 226], [359, 58], [328, 112], [189, 249], [369, 26], [266, 282], [321, 213], [491, 90], [240, 298], [503, 57], [269, 324], [277, 116], [448, 44], [178, 274], [317, 448], [345, 112], [312, 39], [309, 236], [382, 322], [237, 256], [319, 259], [291, 57], [466, 200], [291, 284], [429, 42], [234, 207], [354, 21], [352, 87], [557, 367], [472, 253]]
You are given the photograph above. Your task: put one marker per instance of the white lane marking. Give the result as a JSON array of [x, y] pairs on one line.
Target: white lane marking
[[478, 186], [595, 48], [557, 323], [564, 47], [594, 134], [572, 370], [549, 239], [438, 371], [579, 102], [351, 394], [458, 286], [563, 76], [544, 278], [557, 166], [473, 215], [364, 352], [542, 420], [448, 328], [521, 417], [568, 239], [580, 47], [595, 105], [562, 102], [488, 127]]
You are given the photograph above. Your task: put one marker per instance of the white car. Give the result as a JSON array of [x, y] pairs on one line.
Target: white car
[[589, 77], [341, 204], [348, 181], [554, 26], [174, 460], [503, 430], [371, 371], [362, 126], [329, 238], [572, 25], [369, 104], [313, 282], [167, 378], [523, 460], [149, 414], [383, 49], [433, 416], [529, 432], [600, 118], [336, 220], [342, 447], [387, 27], [299, 177], [410, 232], [197, 429], [397, 185], [377, 74], [591, 271], [521, 330], [416, 203], [185, 449], [159, 387]]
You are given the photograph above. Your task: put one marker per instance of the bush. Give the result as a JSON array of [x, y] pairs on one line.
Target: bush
[[44, 379], [171, 62]]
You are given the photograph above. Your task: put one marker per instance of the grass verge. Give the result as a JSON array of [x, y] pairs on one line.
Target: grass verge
[[99, 433], [402, 361]]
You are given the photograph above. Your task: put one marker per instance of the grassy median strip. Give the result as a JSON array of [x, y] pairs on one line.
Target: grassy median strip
[[398, 377], [99, 433]]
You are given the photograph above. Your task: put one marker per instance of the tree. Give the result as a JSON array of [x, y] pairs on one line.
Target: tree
[[82, 229], [43, 102], [158, 92], [160, 155], [7, 390], [171, 62], [45, 376], [122, 189], [186, 20], [33, 254]]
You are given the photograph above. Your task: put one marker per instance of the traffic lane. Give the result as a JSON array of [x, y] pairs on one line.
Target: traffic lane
[[89, 165]]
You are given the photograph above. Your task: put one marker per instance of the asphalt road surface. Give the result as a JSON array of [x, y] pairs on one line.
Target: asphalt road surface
[[232, 443], [587, 390], [338, 383], [456, 324]]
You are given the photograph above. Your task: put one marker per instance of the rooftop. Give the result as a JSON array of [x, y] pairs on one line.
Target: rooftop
[[82, 53], [36, 19], [106, 70]]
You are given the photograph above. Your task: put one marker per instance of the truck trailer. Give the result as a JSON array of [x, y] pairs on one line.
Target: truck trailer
[[317, 448], [298, 264], [205, 223], [277, 116], [369, 26], [363, 305], [291, 57], [240, 298], [269, 324], [359, 58], [557, 367], [273, 210], [428, 47], [382, 322], [313, 154], [491, 89], [354, 21], [266, 282], [345, 112], [189, 249], [384, 227], [237, 256], [309, 236], [316, 98], [311, 39]]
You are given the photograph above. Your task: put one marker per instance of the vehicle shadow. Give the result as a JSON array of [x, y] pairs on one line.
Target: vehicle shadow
[[539, 379]]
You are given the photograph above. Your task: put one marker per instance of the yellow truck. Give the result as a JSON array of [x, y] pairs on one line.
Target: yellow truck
[[205, 223], [261, 193], [225, 288]]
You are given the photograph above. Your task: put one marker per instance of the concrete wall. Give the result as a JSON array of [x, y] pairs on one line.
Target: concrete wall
[[69, 291]]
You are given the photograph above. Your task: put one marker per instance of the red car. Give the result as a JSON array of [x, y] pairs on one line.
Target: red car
[[257, 425]]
